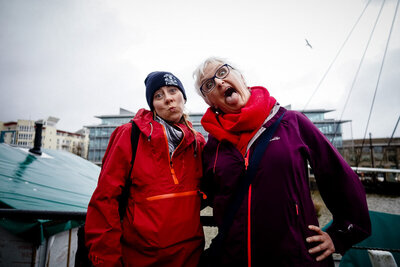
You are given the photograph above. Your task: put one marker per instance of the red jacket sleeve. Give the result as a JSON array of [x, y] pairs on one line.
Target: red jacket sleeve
[[103, 224]]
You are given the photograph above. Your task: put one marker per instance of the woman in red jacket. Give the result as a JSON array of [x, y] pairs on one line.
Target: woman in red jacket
[[161, 225]]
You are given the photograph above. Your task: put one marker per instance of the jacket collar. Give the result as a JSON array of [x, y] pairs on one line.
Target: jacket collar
[[149, 127]]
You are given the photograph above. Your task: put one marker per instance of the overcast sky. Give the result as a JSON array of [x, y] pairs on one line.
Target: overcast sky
[[75, 59]]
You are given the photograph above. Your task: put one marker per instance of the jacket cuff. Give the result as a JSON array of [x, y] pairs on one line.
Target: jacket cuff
[[346, 236], [340, 246]]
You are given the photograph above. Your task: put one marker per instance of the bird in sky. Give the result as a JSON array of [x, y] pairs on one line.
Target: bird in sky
[[308, 44]]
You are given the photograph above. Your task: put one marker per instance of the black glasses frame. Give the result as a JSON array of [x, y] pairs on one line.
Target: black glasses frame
[[204, 92]]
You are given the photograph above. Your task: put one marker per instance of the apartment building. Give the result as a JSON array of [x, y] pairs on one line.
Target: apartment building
[[22, 134], [76, 143], [19, 133]]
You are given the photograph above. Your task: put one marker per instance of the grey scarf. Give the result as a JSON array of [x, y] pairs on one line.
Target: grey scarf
[[174, 134]]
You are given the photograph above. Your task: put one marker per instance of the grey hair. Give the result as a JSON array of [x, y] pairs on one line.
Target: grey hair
[[199, 73]]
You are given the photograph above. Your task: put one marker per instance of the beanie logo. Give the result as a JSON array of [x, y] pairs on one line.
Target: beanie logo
[[170, 79]]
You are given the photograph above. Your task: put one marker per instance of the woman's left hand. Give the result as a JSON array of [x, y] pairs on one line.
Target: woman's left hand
[[325, 246]]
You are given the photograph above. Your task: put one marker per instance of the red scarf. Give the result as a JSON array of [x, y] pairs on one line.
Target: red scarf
[[239, 128]]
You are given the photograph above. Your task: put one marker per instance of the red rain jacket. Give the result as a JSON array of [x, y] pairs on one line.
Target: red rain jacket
[[161, 226]]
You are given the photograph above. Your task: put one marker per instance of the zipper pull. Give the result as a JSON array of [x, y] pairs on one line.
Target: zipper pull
[[246, 160], [172, 168], [202, 194], [173, 174]]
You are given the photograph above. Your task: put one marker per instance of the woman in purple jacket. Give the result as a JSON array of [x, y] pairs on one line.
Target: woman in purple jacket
[[276, 223]]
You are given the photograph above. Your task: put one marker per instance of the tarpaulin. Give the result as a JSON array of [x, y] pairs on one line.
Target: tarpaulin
[[55, 181], [385, 236]]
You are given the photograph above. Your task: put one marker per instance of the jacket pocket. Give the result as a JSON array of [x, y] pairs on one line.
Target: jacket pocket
[[295, 243], [166, 219], [174, 195]]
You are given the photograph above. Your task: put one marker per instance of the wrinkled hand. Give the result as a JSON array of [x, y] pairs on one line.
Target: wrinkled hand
[[325, 245]]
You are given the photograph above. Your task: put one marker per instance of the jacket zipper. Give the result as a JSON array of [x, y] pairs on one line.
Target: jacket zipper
[[246, 163], [171, 165], [174, 195]]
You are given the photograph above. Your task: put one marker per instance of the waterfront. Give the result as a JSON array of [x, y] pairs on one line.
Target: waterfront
[[376, 202]]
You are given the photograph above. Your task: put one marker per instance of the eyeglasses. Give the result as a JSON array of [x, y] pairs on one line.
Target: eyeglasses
[[208, 85]]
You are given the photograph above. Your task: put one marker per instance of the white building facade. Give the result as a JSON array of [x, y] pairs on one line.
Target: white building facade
[[22, 134]]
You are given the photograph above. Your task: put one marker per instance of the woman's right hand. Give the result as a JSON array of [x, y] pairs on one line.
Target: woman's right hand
[[325, 246]]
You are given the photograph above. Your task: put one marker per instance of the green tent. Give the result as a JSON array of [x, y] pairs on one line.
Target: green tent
[[385, 236], [55, 181]]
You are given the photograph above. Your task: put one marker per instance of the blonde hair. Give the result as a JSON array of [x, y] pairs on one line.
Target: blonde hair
[[185, 120]]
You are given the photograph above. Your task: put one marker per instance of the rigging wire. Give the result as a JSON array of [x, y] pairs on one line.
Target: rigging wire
[[394, 130], [337, 54], [358, 71], [390, 141], [379, 77]]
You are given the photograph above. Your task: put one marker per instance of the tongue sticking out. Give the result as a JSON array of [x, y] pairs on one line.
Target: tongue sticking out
[[231, 97]]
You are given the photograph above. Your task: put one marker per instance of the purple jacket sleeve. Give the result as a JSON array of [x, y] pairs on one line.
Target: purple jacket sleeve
[[339, 186]]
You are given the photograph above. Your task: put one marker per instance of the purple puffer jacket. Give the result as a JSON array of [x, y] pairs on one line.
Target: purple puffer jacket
[[271, 225]]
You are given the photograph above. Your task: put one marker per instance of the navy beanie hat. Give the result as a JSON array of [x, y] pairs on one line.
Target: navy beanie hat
[[158, 79]]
